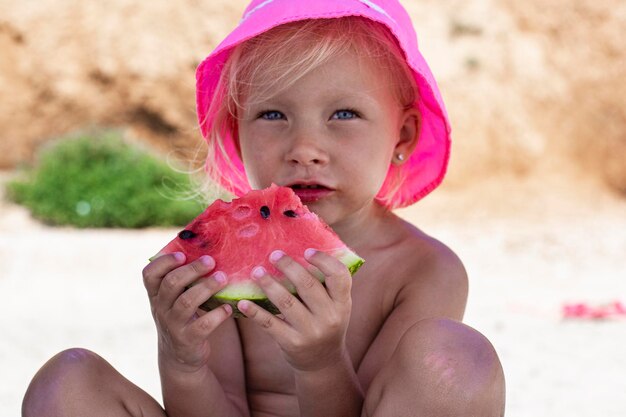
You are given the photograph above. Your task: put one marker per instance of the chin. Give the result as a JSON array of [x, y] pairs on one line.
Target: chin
[[326, 213]]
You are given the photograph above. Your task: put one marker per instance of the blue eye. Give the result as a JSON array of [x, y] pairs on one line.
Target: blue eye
[[271, 115], [345, 114]]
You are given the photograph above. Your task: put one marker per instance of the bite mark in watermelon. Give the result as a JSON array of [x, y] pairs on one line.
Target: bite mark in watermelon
[[241, 234]]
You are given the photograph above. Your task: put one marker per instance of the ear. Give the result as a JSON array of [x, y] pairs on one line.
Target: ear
[[410, 128]]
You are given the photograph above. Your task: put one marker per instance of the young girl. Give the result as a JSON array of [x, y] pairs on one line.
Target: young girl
[[333, 99]]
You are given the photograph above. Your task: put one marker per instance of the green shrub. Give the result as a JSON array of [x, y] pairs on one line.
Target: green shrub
[[101, 180]]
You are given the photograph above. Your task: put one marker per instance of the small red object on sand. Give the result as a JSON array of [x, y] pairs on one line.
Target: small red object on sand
[[585, 311]]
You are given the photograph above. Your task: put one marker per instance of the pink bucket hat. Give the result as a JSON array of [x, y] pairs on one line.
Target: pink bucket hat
[[424, 169]]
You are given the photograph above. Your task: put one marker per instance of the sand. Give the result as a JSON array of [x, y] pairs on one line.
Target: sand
[[528, 246]]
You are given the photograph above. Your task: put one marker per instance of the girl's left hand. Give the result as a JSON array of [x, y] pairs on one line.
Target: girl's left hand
[[313, 332]]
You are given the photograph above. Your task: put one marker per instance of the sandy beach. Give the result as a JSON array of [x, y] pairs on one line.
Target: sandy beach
[[529, 247]]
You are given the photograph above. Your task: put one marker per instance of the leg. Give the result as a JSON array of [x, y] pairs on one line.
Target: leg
[[77, 382], [440, 368]]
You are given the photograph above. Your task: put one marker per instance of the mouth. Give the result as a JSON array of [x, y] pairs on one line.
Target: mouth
[[310, 192], [302, 184]]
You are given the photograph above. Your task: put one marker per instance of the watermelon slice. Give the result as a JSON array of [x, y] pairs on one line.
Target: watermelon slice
[[241, 234]]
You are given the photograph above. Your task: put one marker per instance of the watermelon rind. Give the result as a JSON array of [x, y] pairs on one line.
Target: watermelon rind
[[249, 290], [352, 261]]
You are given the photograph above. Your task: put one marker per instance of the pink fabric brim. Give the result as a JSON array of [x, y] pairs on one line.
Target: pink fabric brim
[[425, 168]]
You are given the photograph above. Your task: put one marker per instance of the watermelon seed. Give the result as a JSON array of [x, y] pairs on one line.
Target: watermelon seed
[[290, 213], [186, 234], [265, 212]]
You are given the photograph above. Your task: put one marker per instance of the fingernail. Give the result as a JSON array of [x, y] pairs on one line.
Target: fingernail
[[308, 254], [258, 272], [179, 256], [220, 277], [206, 260], [243, 305], [276, 255], [228, 309]]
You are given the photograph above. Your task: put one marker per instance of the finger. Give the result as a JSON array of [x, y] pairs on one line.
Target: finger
[[292, 309], [187, 304], [309, 288], [338, 278], [204, 325], [266, 320], [174, 283], [154, 272]]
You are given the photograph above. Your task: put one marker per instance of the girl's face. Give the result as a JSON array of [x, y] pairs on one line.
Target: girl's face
[[330, 136]]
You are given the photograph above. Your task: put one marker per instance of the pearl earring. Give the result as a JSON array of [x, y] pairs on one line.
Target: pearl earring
[[400, 157]]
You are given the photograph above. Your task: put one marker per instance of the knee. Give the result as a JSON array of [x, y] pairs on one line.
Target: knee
[[72, 365], [456, 361], [60, 379], [444, 367], [450, 352]]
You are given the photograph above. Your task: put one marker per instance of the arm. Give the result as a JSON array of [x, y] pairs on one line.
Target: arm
[[194, 350], [333, 391], [217, 389], [193, 394], [433, 286]]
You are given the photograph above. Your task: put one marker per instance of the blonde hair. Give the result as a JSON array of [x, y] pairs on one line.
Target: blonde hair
[[262, 66]]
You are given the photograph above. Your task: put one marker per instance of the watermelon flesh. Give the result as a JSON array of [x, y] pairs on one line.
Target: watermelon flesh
[[241, 235]]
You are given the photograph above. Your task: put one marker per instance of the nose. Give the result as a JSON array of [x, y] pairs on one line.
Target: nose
[[307, 149]]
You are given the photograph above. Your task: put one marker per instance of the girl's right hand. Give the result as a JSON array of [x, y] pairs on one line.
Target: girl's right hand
[[183, 334]]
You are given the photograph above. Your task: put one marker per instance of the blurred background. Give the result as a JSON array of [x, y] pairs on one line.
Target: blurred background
[[534, 202], [532, 88]]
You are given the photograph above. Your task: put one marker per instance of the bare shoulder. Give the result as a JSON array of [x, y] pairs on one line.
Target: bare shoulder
[[415, 277], [413, 274], [432, 275]]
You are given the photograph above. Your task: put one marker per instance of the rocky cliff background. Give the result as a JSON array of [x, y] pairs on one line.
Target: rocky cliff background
[[534, 88]]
